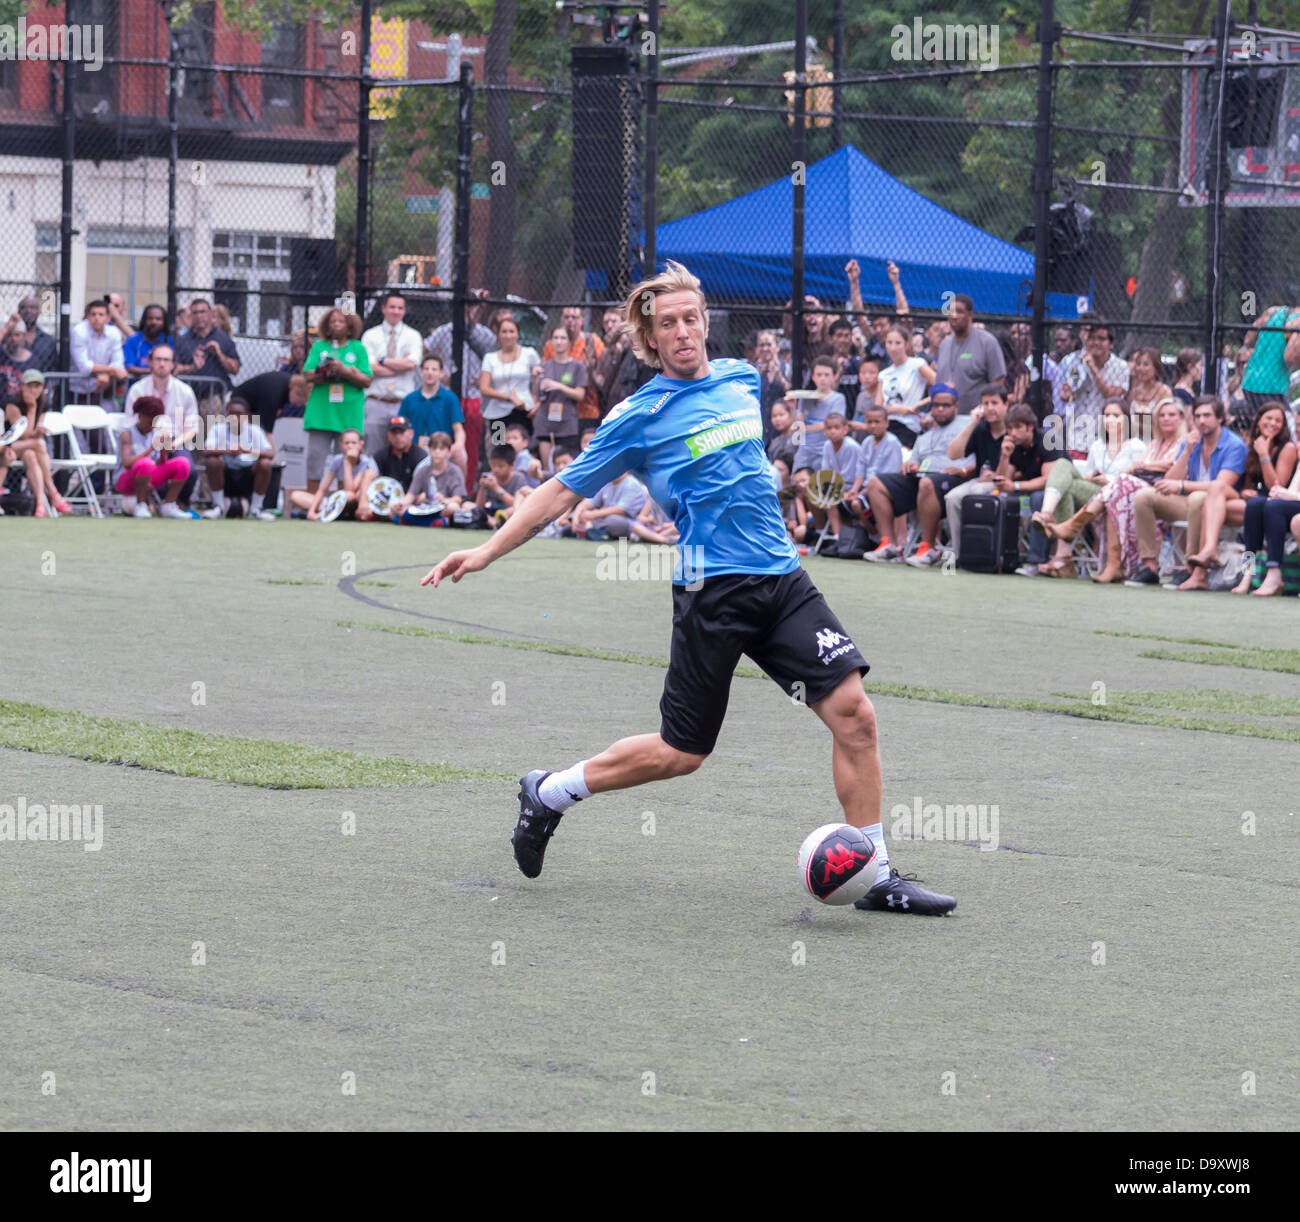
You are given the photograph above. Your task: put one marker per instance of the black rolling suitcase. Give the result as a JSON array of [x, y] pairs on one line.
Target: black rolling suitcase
[[990, 533]]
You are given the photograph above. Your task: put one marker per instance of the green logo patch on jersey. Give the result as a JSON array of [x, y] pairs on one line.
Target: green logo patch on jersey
[[729, 434]]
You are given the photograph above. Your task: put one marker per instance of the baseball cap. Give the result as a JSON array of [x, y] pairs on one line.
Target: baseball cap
[[33, 375], [942, 388], [398, 422]]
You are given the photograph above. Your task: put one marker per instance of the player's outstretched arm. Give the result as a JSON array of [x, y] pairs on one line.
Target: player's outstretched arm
[[544, 506]]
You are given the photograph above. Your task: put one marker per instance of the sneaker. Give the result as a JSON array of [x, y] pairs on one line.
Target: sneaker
[[128, 505], [141, 511], [1177, 577], [899, 893], [537, 824], [885, 552], [926, 559], [213, 514], [262, 515], [171, 510], [1145, 576], [1028, 570]]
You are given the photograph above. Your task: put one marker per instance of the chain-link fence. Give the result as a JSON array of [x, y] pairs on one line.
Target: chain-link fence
[[268, 161]]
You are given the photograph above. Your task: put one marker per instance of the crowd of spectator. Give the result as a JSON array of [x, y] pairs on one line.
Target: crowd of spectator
[[877, 442]]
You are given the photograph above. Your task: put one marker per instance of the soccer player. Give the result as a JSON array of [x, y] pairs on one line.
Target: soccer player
[[694, 436]]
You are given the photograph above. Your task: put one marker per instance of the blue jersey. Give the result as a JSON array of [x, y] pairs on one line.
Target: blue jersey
[[697, 445]]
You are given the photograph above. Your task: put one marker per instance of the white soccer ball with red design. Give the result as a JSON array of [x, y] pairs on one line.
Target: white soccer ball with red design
[[837, 864]]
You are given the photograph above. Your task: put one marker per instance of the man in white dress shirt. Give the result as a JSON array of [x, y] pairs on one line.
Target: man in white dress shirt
[[395, 351], [96, 357]]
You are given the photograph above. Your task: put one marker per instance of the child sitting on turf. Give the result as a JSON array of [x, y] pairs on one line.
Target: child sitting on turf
[[815, 411], [881, 453], [435, 479], [653, 525], [561, 457], [611, 513], [797, 514], [353, 470], [840, 454], [516, 437], [501, 488]]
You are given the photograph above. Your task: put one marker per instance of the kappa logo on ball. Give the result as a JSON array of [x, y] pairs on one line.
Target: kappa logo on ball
[[838, 859]]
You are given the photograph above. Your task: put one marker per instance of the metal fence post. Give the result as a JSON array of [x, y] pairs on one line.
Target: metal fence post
[[1215, 182], [460, 268], [650, 213], [1047, 33], [173, 158], [361, 260], [800, 159], [837, 71], [65, 220]]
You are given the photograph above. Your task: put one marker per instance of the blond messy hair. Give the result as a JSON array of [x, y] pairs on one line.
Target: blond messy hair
[[640, 308]]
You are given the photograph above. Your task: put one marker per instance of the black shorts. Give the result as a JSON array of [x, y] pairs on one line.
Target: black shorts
[[782, 623], [238, 481], [903, 432], [902, 488]]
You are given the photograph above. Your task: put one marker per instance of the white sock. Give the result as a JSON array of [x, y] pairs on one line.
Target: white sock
[[219, 498], [256, 503], [561, 790], [1051, 499], [876, 834]]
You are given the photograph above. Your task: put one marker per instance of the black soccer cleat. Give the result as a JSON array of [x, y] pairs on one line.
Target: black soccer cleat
[[537, 824], [901, 894]]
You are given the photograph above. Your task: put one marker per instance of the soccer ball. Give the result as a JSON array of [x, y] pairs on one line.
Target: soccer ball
[[837, 863]]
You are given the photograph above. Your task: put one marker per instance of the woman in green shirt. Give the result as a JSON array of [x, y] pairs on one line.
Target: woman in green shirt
[[338, 368], [1268, 372]]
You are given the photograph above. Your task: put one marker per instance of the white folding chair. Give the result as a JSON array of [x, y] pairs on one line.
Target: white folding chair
[[81, 491], [90, 418], [1084, 554]]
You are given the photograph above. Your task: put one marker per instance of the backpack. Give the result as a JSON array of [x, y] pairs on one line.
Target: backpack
[[854, 542], [15, 499]]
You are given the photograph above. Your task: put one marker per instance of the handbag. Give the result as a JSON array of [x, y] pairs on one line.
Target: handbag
[[470, 517], [1290, 569], [1233, 559]]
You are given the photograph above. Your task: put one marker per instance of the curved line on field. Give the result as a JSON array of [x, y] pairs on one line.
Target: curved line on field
[[348, 585]]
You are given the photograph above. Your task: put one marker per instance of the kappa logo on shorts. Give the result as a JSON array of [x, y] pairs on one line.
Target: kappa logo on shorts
[[834, 642]]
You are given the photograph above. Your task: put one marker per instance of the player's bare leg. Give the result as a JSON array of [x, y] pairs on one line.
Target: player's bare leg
[[545, 796], [855, 766], [855, 751], [636, 761]]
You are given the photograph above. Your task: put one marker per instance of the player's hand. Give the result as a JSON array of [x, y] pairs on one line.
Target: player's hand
[[455, 566]]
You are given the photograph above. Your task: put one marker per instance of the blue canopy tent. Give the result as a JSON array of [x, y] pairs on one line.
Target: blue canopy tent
[[853, 209]]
